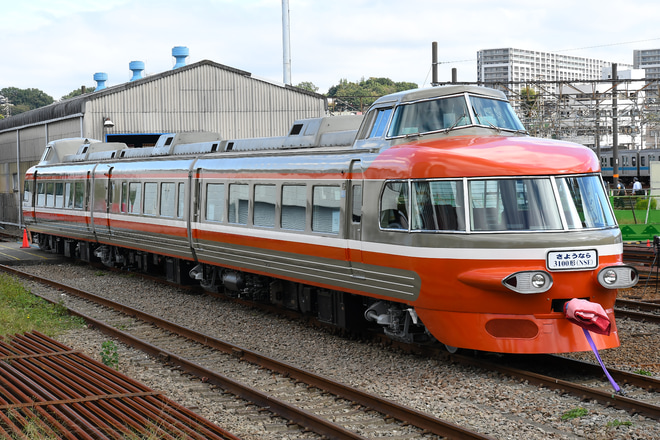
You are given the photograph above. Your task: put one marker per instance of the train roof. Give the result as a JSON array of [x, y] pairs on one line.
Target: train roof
[[435, 92]]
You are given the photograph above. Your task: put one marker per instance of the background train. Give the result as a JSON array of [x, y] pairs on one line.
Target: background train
[[435, 217], [632, 163]]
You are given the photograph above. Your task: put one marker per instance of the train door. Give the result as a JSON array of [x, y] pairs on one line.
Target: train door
[[101, 199], [193, 196], [354, 218]]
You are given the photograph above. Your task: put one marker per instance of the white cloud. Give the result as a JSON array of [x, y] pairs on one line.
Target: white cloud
[[57, 45]]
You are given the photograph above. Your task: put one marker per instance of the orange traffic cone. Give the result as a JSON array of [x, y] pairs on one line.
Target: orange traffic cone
[[648, 243], [26, 244]]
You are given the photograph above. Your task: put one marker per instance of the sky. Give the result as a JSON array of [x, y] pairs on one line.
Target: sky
[[57, 45]]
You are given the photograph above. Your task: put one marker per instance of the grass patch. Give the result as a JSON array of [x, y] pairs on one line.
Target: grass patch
[[574, 413], [23, 312]]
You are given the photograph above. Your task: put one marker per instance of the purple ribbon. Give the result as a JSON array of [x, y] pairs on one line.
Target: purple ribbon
[[595, 350]]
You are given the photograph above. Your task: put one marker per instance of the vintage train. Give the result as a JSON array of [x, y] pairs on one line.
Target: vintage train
[[434, 216]]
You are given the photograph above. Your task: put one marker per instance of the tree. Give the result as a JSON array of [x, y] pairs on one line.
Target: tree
[[23, 100], [81, 91], [358, 96], [309, 86]]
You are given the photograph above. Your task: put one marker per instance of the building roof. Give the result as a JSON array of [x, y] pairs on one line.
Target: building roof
[[76, 106]]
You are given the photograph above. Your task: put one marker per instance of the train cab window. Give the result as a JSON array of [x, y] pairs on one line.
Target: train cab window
[[50, 194], [239, 203], [325, 209], [134, 197], [437, 206], [150, 198], [513, 205], [167, 199], [264, 205], [584, 202], [59, 195], [181, 200], [394, 206], [215, 202], [429, 116], [294, 207], [79, 195], [41, 194]]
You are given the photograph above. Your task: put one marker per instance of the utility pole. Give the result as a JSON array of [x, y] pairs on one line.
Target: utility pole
[[615, 128], [286, 44]]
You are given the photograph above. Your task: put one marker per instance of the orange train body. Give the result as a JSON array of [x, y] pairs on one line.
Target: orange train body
[[434, 217]]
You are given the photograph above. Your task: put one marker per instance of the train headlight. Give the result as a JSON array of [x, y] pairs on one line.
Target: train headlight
[[618, 277], [528, 282]]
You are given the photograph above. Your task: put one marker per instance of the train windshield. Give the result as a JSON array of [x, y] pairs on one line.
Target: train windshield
[[531, 205], [446, 114], [513, 205], [584, 202]]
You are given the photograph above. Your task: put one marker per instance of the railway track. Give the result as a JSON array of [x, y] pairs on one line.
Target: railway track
[[313, 403]]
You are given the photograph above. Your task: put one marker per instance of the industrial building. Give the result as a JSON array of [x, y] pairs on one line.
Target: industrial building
[[202, 96]]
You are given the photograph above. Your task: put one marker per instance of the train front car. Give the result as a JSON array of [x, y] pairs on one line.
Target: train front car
[[500, 229]]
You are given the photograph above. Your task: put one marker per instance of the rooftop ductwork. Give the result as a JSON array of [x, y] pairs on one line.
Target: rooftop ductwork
[[100, 78], [180, 53], [136, 67]]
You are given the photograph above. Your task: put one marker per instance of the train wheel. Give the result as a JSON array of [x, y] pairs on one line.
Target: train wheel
[[451, 349]]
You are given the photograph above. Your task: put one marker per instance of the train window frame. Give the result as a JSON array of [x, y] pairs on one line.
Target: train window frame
[[214, 192], [150, 199], [79, 195], [264, 205], [290, 213], [181, 200], [134, 200], [50, 194], [59, 194], [238, 213], [326, 215], [167, 199], [391, 216], [41, 194], [443, 208], [502, 209]]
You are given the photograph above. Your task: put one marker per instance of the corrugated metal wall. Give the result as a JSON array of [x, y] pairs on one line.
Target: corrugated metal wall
[[203, 98]]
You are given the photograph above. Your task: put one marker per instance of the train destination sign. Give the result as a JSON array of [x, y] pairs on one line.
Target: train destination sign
[[572, 260]]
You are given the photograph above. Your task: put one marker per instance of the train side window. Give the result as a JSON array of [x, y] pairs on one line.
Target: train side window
[[79, 195], [41, 194], [642, 161], [239, 203], [150, 198], [634, 161], [59, 195], [134, 197], [50, 194], [611, 161], [182, 200], [215, 202], [167, 199], [68, 195], [394, 206], [264, 206], [356, 197], [294, 207], [437, 206], [27, 191], [124, 196], [325, 209]]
